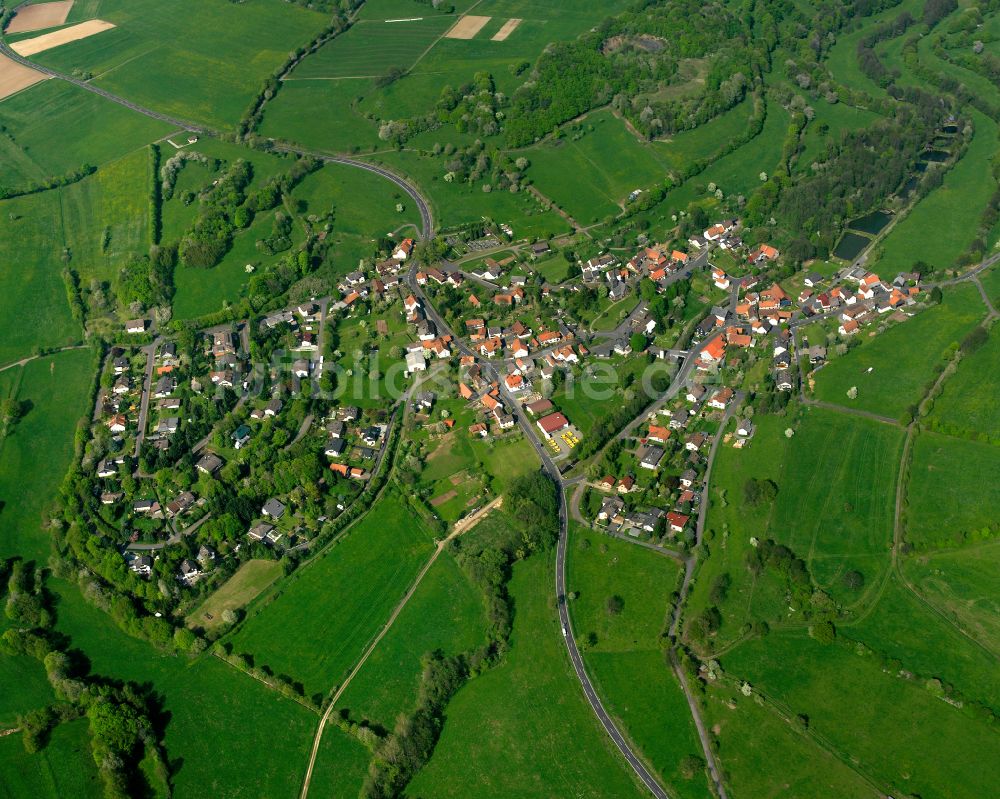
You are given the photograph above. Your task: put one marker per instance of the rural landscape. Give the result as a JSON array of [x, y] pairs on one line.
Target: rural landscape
[[499, 398]]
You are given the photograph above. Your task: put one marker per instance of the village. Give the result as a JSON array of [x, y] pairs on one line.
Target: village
[[183, 426]]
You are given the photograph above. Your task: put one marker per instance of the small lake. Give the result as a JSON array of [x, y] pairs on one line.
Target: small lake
[[952, 129], [937, 156], [850, 246], [910, 185], [871, 223]]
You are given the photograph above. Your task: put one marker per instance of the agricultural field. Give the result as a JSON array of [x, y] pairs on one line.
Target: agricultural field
[[249, 581], [446, 613], [963, 584], [629, 643], [936, 230], [65, 767], [856, 707], [341, 765], [319, 622], [893, 370], [460, 203], [542, 735], [192, 736], [967, 406], [944, 475], [204, 76], [836, 494], [36, 454], [57, 127], [753, 737]]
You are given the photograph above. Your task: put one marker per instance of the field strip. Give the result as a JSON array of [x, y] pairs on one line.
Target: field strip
[[467, 27], [506, 30], [40, 16], [14, 77], [47, 41]]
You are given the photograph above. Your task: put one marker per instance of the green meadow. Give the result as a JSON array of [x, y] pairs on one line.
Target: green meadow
[[963, 584], [341, 765], [752, 738], [936, 230], [206, 704], [857, 707], [56, 127], [826, 128], [320, 621], [65, 767], [628, 662], [220, 53], [893, 370], [541, 738], [446, 613], [950, 498], [36, 454], [967, 405]]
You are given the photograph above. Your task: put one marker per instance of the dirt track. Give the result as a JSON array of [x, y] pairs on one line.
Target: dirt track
[[14, 77], [39, 44], [40, 16]]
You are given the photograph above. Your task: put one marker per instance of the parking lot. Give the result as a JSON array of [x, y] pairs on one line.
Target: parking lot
[[562, 444]]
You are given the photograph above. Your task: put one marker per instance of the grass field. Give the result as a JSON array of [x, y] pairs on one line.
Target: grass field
[[945, 475], [203, 76], [541, 739], [249, 581], [320, 621], [859, 709], [591, 177], [371, 48], [893, 370], [964, 585], [752, 739], [341, 765], [835, 119], [909, 628], [36, 454], [446, 613], [56, 127], [938, 228], [991, 282], [836, 493], [967, 405], [208, 704], [460, 203], [65, 767], [33, 689], [706, 140], [628, 662]]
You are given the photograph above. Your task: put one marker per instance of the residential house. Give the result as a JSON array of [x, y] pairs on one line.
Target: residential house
[[650, 457]]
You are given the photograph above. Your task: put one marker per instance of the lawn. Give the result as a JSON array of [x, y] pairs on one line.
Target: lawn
[[219, 53], [206, 702], [319, 622], [894, 370], [836, 494], [65, 767], [446, 613], [628, 663], [964, 584], [991, 282], [371, 48], [249, 581], [55, 127], [752, 739], [951, 500], [341, 765], [591, 176], [540, 738], [36, 454], [939, 228], [859, 709], [967, 405]]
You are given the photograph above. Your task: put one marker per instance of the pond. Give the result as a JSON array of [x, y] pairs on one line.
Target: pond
[[909, 186], [871, 223], [850, 246], [937, 156], [952, 129]]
